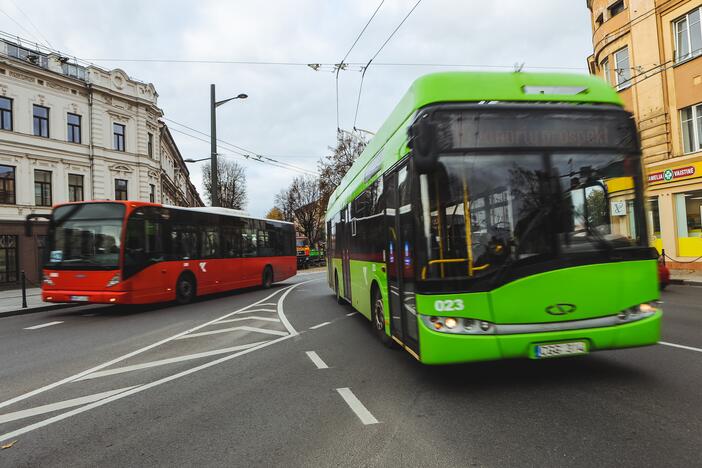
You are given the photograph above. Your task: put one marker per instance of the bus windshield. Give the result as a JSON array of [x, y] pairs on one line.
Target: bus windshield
[[525, 207], [86, 236]]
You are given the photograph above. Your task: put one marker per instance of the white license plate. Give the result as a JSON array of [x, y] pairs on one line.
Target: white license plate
[[79, 298], [560, 349]]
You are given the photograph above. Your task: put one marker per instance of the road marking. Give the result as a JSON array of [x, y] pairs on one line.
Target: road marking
[[314, 357], [37, 327], [690, 348], [88, 315], [60, 405], [233, 329], [162, 362], [268, 304], [319, 325], [136, 352], [144, 387], [350, 314], [355, 404], [256, 310], [265, 319]]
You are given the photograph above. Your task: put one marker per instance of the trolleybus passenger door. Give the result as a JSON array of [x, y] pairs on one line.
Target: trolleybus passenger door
[[346, 251], [400, 257]]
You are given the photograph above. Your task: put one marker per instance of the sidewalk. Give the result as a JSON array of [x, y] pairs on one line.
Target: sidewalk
[[11, 302], [693, 277]]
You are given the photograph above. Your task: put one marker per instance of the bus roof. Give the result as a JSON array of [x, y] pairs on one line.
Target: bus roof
[[471, 87]]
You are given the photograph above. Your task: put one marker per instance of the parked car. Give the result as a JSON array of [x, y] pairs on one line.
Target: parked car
[[663, 274]]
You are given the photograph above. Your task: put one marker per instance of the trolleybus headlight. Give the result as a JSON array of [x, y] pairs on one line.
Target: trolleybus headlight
[[635, 313], [455, 325], [451, 322], [485, 326], [113, 281]]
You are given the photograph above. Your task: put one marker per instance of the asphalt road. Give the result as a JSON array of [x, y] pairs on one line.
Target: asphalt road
[[134, 386]]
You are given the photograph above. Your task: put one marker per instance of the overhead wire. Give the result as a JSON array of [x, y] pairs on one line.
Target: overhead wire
[[29, 20], [20, 25], [365, 68], [340, 66]]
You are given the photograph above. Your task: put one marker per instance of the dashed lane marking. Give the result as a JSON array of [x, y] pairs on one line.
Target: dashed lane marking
[[355, 404], [314, 357], [163, 362], [320, 325], [60, 405], [689, 348], [37, 327], [350, 314], [233, 329]]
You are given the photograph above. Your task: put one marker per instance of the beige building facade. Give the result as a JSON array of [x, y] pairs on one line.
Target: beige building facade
[[651, 52], [69, 133]]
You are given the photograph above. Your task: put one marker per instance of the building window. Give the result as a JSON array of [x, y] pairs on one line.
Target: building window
[[606, 71], [654, 218], [599, 20], [120, 189], [691, 120], [42, 188], [688, 35], [118, 132], [152, 193], [150, 145], [75, 187], [73, 128], [616, 8], [41, 121], [8, 258], [5, 113], [622, 68], [7, 185]]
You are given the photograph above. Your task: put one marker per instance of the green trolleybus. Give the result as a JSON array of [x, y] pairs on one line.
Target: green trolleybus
[[498, 215]]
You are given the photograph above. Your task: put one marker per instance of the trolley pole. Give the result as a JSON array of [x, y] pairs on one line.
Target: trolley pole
[[214, 176]]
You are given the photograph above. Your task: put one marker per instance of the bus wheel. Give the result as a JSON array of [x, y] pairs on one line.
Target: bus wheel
[[379, 319], [267, 277], [336, 289], [185, 289]]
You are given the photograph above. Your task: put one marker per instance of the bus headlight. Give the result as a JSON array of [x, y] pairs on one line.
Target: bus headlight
[[113, 281], [456, 325], [635, 313]]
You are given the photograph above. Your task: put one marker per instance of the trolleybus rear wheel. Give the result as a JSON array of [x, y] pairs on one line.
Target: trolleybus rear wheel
[[185, 289]]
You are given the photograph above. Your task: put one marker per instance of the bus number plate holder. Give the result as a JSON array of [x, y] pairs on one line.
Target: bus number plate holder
[[550, 350], [79, 298]]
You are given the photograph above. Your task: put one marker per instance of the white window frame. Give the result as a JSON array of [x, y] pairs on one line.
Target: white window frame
[[691, 54], [696, 116], [605, 70], [624, 83]]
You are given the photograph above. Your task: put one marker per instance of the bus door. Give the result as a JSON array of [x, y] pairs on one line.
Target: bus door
[[346, 251], [399, 223]]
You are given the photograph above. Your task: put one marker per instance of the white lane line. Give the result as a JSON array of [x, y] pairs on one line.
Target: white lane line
[[60, 405], [281, 313], [314, 357], [268, 304], [689, 348], [37, 327], [163, 362], [350, 314], [253, 317], [88, 407], [233, 329], [136, 352], [319, 325], [256, 310], [355, 404]]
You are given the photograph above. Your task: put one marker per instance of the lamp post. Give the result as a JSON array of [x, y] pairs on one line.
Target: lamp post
[[214, 176]]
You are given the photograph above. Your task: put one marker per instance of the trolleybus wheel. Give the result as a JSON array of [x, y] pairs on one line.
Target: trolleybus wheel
[[185, 289], [379, 319], [336, 289], [267, 277]]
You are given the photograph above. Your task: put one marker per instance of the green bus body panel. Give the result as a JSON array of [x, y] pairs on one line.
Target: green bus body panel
[[617, 285], [443, 348], [390, 141]]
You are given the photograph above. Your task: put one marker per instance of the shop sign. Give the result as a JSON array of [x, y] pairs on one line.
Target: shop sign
[[618, 208], [672, 174]]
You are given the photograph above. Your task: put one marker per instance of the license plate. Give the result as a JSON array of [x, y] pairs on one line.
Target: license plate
[[560, 349], [79, 298]]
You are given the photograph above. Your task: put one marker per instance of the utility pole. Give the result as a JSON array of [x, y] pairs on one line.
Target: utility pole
[[214, 176]]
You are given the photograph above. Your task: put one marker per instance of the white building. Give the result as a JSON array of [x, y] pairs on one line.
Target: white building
[[70, 133]]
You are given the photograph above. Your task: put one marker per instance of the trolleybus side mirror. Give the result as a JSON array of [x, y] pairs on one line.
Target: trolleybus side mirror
[[422, 140]]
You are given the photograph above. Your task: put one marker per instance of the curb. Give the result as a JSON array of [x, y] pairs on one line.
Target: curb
[[31, 310], [682, 282]]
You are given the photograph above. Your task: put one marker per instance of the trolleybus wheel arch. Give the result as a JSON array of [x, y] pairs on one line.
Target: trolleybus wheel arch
[[186, 288], [267, 277]]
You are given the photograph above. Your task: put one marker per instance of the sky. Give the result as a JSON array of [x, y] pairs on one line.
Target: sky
[[291, 112]]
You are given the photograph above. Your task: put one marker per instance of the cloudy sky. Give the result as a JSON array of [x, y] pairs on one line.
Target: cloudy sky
[[291, 111]]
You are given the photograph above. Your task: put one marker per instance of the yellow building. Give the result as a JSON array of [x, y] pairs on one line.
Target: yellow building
[[651, 52]]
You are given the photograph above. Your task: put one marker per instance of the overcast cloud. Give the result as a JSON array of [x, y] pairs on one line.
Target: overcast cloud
[[291, 112]]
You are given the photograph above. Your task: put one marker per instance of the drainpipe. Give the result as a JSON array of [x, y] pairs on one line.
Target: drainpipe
[[91, 152]]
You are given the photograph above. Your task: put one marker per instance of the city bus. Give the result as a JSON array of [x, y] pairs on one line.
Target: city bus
[[127, 252], [498, 215]]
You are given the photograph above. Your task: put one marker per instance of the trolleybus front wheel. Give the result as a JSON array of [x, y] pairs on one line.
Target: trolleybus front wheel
[[267, 277], [379, 319]]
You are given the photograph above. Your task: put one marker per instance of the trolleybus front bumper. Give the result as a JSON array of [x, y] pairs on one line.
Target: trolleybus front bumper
[[444, 348]]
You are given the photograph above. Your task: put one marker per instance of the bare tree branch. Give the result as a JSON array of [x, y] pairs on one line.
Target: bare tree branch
[[232, 184]]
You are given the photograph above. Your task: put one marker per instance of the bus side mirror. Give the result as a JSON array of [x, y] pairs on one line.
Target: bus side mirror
[[422, 140]]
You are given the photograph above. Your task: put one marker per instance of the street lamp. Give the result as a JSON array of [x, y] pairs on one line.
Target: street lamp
[[214, 104], [190, 160]]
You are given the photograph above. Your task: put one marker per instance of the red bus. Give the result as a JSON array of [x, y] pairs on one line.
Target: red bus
[[125, 252]]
